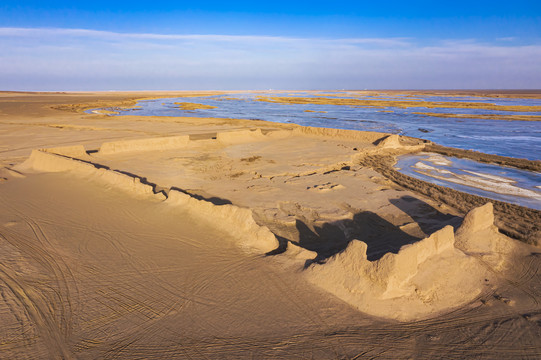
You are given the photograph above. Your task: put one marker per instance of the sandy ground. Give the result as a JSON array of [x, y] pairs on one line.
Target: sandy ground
[[399, 103], [156, 237], [485, 116]]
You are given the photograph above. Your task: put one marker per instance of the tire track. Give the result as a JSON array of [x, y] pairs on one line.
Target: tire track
[[38, 311]]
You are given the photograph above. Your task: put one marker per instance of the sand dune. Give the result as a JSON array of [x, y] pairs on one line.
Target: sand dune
[[209, 238]]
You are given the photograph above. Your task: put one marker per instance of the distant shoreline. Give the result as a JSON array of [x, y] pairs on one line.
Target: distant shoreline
[[510, 93]]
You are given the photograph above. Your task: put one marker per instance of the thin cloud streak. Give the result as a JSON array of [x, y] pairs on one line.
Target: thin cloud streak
[[79, 59], [109, 35]]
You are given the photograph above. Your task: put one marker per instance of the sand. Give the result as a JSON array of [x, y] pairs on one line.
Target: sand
[[193, 106], [399, 103], [148, 237], [412, 94], [484, 116]]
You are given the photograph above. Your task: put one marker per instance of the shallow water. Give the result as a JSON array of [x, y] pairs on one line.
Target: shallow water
[[507, 184], [520, 139]]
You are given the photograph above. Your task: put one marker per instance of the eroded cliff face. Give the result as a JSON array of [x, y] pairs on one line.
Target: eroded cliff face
[[433, 275]]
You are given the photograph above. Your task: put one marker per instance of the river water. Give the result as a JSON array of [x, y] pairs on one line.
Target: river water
[[496, 182], [519, 139]]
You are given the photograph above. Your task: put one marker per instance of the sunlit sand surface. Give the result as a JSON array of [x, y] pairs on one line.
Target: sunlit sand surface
[[183, 237]]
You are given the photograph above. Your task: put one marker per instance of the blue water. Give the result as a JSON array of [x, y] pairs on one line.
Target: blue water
[[514, 180], [519, 139]]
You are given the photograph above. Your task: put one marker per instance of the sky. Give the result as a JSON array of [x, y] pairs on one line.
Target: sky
[[282, 45]]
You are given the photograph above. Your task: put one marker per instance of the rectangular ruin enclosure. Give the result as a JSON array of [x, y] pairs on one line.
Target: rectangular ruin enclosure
[[294, 182]]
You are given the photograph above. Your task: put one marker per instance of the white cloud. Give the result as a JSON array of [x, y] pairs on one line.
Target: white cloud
[[52, 33], [79, 59]]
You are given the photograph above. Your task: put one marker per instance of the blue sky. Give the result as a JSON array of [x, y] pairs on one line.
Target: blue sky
[[121, 45]]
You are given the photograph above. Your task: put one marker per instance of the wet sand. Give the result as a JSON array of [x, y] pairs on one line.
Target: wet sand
[[521, 94], [193, 106], [399, 103], [188, 237], [485, 116]]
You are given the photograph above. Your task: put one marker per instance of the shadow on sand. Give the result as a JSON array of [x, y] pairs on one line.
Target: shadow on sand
[[380, 235], [426, 216]]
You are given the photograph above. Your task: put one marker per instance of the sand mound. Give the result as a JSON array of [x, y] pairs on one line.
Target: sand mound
[[147, 144], [478, 219], [479, 236], [76, 151], [424, 278], [390, 142], [49, 161]]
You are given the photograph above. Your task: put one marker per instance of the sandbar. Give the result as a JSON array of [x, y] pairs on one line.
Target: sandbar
[[395, 103]]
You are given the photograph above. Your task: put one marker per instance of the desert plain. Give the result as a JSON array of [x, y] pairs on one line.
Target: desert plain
[[188, 237]]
